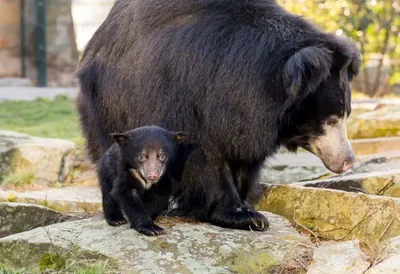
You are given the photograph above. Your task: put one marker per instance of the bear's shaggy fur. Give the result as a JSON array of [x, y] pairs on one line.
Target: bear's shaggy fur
[[243, 77]]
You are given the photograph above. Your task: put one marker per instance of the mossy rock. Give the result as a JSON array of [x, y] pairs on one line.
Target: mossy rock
[[188, 247]]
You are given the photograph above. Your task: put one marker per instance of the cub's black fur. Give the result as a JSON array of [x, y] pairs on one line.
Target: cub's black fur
[[135, 176], [243, 77]]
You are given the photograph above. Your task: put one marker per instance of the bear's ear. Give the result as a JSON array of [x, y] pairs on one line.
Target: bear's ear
[[180, 136], [305, 70], [119, 138], [346, 56]]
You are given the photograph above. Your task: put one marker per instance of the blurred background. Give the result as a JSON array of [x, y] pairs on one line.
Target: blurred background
[[41, 40]]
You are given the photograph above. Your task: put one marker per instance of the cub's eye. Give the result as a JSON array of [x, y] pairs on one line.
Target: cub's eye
[[161, 157], [142, 157]]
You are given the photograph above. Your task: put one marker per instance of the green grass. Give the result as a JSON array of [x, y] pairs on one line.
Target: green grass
[[9, 270], [43, 117]]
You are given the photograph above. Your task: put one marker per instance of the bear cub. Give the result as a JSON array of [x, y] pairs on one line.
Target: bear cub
[[135, 176]]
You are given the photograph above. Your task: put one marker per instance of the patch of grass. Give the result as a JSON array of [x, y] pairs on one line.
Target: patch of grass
[[43, 117], [97, 268], [19, 179], [9, 270]]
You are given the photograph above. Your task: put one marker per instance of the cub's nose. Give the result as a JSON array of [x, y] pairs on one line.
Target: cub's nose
[[152, 176]]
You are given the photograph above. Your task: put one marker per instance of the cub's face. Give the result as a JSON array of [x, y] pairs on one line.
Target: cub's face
[[148, 152], [150, 161]]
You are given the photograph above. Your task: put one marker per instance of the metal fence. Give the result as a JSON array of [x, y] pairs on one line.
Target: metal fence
[[42, 39]]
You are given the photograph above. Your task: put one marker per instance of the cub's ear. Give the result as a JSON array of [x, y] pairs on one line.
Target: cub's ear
[[119, 138], [180, 136], [304, 71]]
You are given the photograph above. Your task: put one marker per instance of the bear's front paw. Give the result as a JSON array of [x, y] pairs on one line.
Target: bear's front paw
[[116, 222], [151, 230], [240, 218]]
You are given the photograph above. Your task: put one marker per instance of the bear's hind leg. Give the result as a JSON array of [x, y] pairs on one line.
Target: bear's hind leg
[[209, 194], [231, 211]]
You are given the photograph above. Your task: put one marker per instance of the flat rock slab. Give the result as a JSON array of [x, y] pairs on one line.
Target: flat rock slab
[[66, 199], [339, 258], [382, 121], [288, 168], [375, 145], [19, 217], [385, 183], [186, 248], [45, 160], [388, 259], [333, 214]]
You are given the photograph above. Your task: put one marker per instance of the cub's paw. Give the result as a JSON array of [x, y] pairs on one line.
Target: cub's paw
[[116, 222], [240, 218], [151, 230]]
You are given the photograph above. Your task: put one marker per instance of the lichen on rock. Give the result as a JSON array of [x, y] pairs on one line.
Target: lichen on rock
[[186, 248]]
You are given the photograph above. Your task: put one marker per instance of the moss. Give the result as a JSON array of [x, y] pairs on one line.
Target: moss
[[252, 263], [164, 245], [51, 261], [11, 198], [336, 215]]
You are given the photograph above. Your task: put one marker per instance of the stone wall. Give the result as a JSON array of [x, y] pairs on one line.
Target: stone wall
[[62, 53]]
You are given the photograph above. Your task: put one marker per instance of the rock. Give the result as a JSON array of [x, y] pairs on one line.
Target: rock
[[338, 258], [375, 145], [378, 176], [45, 160], [19, 217], [286, 168], [333, 214], [66, 199], [383, 121], [389, 266], [386, 183], [388, 260], [15, 82], [186, 248]]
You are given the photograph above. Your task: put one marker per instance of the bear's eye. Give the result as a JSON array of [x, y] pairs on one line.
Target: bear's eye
[[161, 157], [142, 157], [332, 121]]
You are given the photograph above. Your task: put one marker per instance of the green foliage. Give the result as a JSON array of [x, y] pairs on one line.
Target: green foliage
[[46, 118], [51, 261], [373, 24]]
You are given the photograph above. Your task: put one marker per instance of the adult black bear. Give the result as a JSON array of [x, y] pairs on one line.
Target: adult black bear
[[243, 77], [135, 176]]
